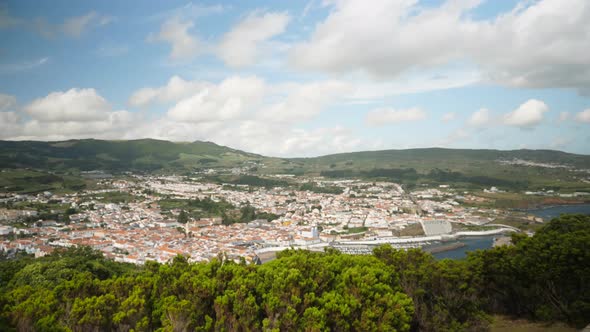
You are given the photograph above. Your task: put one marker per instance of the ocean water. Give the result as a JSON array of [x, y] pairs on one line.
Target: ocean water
[[554, 211], [486, 242], [471, 243]]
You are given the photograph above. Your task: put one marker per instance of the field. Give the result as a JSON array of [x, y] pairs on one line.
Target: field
[[26, 181]]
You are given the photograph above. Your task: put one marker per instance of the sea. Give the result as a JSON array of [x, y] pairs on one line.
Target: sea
[[486, 242], [551, 212]]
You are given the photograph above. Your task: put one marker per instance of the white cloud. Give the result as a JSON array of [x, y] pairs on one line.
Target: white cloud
[[241, 46], [479, 118], [76, 113], [228, 100], [9, 124], [546, 41], [527, 115], [447, 117], [207, 101], [8, 118], [175, 31], [112, 125], [538, 44], [245, 44], [583, 116], [168, 129], [250, 114], [7, 102], [72, 105], [382, 40], [384, 116], [281, 140], [320, 141], [304, 101], [214, 112], [261, 137], [177, 88], [413, 82]]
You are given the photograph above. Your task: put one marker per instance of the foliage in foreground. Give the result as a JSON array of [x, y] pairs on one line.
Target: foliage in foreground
[[544, 277]]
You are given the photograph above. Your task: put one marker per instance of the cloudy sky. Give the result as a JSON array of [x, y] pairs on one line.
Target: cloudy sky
[[300, 78]]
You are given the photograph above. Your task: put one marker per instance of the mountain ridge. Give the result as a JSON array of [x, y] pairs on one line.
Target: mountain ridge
[[513, 170], [313, 157], [482, 167], [167, 150]]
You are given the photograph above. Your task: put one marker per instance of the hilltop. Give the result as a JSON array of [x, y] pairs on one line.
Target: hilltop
[[515, 169], [131, 155]]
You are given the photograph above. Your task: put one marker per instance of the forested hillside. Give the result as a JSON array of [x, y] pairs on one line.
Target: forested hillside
[[545, 277]]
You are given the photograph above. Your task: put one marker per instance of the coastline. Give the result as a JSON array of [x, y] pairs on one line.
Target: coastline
[[550, 212], [551, 203]]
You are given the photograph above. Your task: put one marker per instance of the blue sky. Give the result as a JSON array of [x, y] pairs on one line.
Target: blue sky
[[300, 78]]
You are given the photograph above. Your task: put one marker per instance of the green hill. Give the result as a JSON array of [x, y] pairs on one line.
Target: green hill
[[114, 156], [472, 168], [426, 159], [482, 168]]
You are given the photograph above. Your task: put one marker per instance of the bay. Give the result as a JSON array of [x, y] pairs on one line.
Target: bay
[[486, 242], [471, 243], [551, 212]]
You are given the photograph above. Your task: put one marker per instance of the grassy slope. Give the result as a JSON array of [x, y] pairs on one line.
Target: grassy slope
[[30, 182], [157, 155], [145, 154], [468, 162], [455, 159]]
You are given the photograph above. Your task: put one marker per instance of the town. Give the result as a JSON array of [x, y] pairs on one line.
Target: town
[[137, 218]]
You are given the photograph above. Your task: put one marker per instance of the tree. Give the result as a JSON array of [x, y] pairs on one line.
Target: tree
[[182, 217], [545, 277], [247, 213]]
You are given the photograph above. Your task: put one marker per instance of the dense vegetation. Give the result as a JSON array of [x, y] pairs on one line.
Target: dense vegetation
[[197, 207], [206, 208], [33, 182], [545, 277]]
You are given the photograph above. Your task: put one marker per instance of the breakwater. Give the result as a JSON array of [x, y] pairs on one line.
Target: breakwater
[[445, 247]]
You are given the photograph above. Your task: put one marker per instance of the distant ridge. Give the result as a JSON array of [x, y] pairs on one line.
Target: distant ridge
[[481, 167], [117, 155], [437, 153]]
